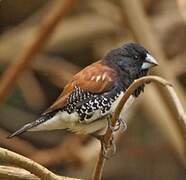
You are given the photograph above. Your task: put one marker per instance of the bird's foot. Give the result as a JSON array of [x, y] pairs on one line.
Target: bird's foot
[[121, 124], [108, 150]]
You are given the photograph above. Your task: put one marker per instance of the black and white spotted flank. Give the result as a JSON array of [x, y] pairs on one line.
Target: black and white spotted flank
[[89, 106]]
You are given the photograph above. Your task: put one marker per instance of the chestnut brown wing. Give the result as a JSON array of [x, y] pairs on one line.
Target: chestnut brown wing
[[96, 78]]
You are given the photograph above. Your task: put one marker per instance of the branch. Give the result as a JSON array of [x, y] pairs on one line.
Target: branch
[[57, 13], [8, 172], [174, 99], [29, 165]]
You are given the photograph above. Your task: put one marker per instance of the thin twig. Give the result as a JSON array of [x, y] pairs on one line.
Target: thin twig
[[174, 99], [29, 165], [57, 13]]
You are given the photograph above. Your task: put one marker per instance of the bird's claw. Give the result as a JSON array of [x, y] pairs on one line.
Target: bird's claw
[[121, 124], [108, 150]]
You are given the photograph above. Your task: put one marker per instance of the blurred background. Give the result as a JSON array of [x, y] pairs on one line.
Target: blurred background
[[153, 147]]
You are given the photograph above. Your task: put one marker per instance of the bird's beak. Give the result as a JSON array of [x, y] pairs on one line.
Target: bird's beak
[[150, 62]]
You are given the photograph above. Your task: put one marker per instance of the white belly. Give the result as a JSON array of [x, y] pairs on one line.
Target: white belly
[[63, 120]]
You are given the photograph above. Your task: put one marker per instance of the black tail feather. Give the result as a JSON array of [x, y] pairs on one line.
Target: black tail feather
[[28, 126]]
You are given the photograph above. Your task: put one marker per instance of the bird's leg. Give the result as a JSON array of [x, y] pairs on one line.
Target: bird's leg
[[112, 146], [103, 145], [108, 150], [104, 148]]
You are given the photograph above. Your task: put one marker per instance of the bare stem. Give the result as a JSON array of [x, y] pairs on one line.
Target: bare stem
[[29, 165], [148, 79]]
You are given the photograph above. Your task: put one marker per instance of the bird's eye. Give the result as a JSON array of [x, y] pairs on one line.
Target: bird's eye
[[136, 57]]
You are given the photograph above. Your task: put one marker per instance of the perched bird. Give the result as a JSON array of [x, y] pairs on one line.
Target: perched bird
[[92, 95]]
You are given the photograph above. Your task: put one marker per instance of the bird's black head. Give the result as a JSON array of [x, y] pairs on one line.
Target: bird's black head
[[132, 59]]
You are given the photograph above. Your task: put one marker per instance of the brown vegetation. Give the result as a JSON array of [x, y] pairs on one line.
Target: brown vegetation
[[41, 53]]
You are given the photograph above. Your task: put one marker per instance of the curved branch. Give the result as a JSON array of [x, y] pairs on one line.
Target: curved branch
[[9, 172], [148, 79], [29, 165]]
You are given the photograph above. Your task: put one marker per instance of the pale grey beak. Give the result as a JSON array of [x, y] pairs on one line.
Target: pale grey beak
[[150, 62]]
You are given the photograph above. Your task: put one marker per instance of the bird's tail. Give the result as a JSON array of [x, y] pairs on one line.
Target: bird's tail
[[26, 127]]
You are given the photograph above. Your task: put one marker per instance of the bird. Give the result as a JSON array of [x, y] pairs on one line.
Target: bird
[[92, 95]]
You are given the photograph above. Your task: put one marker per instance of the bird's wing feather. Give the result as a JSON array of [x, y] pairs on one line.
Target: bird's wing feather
[[96, 78]]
